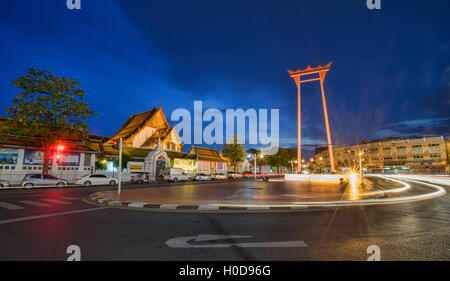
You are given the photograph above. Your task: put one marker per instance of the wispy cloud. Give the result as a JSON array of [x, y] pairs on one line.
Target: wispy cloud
[[414, 127]]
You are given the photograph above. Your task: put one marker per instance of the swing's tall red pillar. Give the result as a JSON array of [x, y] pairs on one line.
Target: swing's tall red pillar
[[296, 75]]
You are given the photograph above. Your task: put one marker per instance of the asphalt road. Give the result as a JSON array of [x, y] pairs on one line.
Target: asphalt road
[[40, 224]]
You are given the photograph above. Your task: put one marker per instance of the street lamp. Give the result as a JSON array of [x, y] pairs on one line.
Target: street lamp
[[360, 162], [255, 156]]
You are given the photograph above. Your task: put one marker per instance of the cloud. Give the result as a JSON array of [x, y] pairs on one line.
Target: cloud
[[417, 127]]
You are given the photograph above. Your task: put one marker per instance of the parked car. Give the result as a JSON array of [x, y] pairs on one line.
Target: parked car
[[95, 179], [140, 177], [176, 174], [234, 175], [219, 176], [4, 183], [202, 177], [42, 180]]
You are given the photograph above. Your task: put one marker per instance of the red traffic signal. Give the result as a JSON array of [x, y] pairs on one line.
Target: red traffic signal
[[115, 144]]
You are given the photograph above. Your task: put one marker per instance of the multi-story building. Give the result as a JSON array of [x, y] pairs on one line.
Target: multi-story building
[[392, 155]]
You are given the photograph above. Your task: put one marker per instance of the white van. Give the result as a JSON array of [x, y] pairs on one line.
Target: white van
[[176, 174]]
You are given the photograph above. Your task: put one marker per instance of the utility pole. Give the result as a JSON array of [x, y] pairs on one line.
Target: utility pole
[[119, 185], [254, 156]]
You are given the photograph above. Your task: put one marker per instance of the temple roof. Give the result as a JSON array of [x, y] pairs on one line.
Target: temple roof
[[135, 123], [161, 133]]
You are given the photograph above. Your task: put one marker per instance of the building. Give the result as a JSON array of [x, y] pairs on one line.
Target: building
[[24, 155], [152, 145], [143, 130], [393, 155]]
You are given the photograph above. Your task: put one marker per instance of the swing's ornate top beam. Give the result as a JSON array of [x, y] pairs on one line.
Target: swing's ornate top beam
[[296, 75]]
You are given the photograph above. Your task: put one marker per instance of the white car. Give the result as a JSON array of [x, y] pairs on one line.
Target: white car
[[234, 176], [96, 179], [219, 176], [202, 177], [175, 174], [42, 180]]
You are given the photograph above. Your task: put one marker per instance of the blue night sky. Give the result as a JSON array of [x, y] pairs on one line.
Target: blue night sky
[[390, 76]]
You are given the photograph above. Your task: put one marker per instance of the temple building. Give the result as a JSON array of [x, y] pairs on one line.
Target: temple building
[[152, 145], [144, 129]]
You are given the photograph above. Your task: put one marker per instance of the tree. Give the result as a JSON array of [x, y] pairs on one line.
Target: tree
[[125, 159], [234, 151], [51, 108], [281, 158]]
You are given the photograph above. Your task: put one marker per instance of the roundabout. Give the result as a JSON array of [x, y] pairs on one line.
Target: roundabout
[[273, 196]]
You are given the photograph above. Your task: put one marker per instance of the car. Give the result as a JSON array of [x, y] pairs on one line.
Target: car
[[219, 176], [4, 183], [95, 179], [202, 177], [140, 177], [176, 174], [234, 175], [42, 180]]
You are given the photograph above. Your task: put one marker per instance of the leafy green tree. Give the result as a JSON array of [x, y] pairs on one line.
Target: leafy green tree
[[125, 159], [234, 151], [49, 107], [281, 158], [100, 165]]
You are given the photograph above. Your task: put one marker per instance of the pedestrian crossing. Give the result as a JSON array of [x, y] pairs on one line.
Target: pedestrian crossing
[[42, 202]]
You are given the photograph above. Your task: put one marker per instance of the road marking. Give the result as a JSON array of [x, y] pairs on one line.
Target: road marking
[[34, 203], [57, 201], [52, 215], [183, 242], [10, 206]]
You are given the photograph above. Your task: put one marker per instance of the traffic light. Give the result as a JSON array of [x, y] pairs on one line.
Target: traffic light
[[115, 144], [59, 151]]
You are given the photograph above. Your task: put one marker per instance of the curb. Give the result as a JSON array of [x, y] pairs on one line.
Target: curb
[[378, 199], [96, 197]]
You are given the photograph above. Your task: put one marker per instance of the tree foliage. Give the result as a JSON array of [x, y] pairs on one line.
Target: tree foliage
[[48, 107], [234, 151]]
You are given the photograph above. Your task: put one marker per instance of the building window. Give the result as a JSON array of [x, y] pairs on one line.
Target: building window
[[401, 150], [434, 148], [417, 149], [436, 157], [87, 160], [418, 158]]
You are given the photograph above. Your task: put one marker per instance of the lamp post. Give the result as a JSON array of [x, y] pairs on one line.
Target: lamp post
[[254, 155], [360, 162], [119, 185]]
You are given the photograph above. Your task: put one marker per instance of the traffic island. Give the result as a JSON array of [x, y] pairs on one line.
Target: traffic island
[[258, 196]]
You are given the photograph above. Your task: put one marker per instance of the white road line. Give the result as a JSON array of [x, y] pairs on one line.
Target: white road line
[[10, 206], [56, 201], [34, 203], [51, 215]]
